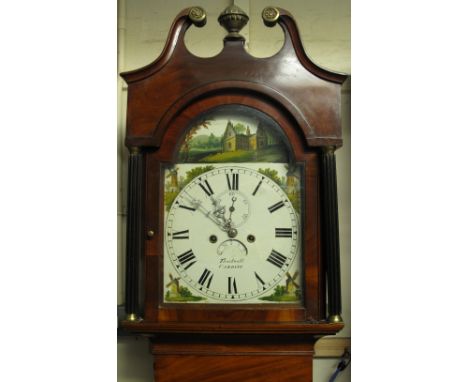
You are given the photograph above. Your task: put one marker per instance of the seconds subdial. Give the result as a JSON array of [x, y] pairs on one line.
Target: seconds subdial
[[237, 207]]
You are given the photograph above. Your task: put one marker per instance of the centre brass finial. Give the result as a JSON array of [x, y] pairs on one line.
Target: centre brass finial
[[233, 19]]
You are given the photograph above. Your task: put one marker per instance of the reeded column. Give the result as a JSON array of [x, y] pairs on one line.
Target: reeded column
[[134, 232], [331, 237]]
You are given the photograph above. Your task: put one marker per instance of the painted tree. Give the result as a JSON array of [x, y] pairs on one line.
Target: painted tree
[[240, 128], [185, 148], [272, 174], [194, 172], [213, 141]]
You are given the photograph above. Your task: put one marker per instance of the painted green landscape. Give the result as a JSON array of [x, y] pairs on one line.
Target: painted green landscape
[[289, 292], [269, 154], [176, 181], [184, 296], [289, 184], [231, 142], [281, 295], [179, 293]]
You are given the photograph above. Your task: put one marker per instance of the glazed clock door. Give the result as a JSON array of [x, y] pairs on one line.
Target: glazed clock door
[[232, 220]]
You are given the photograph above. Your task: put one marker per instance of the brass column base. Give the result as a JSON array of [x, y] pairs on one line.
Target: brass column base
[[132, 317], [335, 318]]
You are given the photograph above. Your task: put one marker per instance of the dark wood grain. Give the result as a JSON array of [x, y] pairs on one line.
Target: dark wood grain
[[243, 358], [216, 342], [310, 93], [171, 137], [166, 95], [304, 328], [227, 367]]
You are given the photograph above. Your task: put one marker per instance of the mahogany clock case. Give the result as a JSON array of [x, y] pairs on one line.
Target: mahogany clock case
[[163, 98], [155, 310]]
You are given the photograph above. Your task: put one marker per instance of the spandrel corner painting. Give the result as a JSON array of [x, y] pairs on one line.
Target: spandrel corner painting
[[233, 212]]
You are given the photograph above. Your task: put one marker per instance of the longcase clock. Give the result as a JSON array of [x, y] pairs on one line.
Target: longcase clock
[[232, 265]]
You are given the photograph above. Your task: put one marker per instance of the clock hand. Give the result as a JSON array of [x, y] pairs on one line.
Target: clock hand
[[219, 212], [197, 204], [231, 209]]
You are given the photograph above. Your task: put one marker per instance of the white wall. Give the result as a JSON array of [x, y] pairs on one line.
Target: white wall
[[325, 31]]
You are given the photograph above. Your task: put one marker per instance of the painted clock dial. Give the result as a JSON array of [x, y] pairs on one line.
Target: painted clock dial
[[232, 230], [232, 234]]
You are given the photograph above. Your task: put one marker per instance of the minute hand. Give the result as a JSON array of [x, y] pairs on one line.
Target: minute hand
[[198, 206]]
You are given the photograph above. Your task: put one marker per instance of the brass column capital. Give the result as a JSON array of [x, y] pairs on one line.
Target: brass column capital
[[134, 150], [328, 149]]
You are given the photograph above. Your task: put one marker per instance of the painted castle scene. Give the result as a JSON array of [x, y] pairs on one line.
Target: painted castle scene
[[233, 134], [229, 138]]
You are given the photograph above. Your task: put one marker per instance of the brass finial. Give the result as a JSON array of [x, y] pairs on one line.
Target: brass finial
[[198, 16], [270, 16], [233, 19]]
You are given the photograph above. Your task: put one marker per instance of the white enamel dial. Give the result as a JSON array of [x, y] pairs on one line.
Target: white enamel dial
[[232, 235]]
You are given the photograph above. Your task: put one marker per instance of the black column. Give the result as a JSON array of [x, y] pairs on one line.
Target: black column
[[134, 232], [331, 237]]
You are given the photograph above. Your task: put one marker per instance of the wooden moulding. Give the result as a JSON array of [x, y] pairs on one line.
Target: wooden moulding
[[312, 308], [177, 77], [252, 358], [316, 329], [219, 343], [163, 97], [225, 367], [216, 358]]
